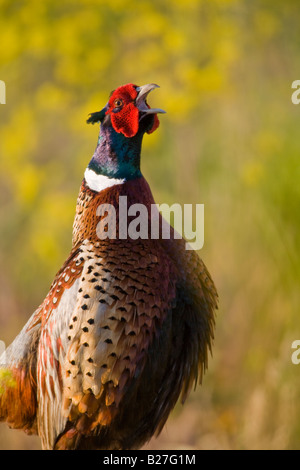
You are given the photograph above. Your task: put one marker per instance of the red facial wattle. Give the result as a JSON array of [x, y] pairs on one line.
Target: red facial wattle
[[125, 119]]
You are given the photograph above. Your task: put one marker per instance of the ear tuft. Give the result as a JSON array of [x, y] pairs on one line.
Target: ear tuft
[[96, 117]]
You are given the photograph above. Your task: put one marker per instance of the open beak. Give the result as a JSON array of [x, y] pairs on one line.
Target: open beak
[[141, 104]]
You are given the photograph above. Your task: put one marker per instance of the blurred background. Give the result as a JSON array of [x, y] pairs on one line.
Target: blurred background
[[230, 140]]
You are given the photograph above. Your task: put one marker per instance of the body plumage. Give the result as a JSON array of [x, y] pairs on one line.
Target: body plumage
[[127, 324]]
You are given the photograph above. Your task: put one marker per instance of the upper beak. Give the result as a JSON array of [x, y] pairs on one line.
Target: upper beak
[[143, 92]]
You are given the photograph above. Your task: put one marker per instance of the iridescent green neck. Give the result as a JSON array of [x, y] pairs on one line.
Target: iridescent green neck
[[117, 156]]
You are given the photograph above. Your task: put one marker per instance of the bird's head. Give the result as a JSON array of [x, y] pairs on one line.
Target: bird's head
[[124, 120], [128, 112]]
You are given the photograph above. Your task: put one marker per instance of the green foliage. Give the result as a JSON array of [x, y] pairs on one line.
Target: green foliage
[[230, 140]]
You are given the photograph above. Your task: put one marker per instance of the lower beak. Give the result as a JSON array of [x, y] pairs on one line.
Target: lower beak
[[141, 104]]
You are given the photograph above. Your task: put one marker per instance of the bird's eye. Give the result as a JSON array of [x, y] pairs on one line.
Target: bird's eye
[[118, 102]]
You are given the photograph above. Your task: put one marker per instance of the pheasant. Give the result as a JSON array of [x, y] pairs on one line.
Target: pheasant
[[128, 323]]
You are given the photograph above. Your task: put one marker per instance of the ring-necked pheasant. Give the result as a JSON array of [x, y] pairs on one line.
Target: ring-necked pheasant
[[127, 324]]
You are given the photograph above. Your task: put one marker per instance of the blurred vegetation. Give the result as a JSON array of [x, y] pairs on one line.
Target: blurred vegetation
[[230, 140], [6, 380]]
